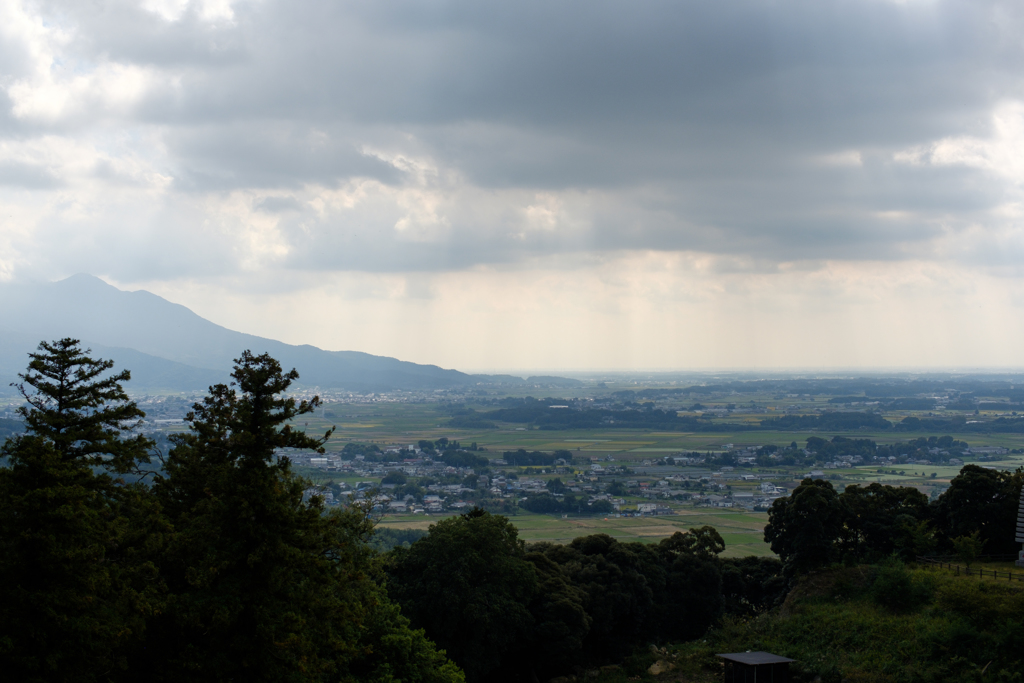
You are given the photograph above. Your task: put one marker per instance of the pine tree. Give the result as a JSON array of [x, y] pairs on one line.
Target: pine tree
[[264, 585], [86, 417], [77, 583]]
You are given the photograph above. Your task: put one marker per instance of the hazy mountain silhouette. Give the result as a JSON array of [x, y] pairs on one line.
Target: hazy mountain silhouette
[[167, 346], [149, 373]]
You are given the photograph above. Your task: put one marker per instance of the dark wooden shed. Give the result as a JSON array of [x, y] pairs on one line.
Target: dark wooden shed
[[755, 667]]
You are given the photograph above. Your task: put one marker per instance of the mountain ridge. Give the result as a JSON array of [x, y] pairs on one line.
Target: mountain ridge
[[174, 347]]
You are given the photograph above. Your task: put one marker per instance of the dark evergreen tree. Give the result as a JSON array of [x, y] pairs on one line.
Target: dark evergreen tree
[[81, 409], [804, 526], [561, 623], [469, 585], [692, 599], [881, 520], [77, 581], [265, 586], [621, 582], [982, 500]]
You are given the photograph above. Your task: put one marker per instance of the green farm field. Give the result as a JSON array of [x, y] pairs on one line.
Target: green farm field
[[399, 424], [741, 530], [404, 423]]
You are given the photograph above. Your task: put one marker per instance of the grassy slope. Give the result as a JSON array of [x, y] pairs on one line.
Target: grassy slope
[[862, 624]]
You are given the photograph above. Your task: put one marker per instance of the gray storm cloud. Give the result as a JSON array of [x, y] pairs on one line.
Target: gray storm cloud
[[441, 135]]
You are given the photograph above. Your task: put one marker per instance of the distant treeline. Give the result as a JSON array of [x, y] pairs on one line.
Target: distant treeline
[[828, 421], [848, 421], [819, 450], [859, 389], [463, 459], [866, 448], [914, 403], [540, 414], [370, 452], [545, 503]]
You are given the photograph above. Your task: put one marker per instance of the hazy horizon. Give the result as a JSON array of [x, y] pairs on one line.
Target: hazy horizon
[[820, 187]]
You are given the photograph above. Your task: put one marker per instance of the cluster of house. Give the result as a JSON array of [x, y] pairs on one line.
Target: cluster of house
[[653, 509], [844, 461], [360, 467], [988, 450], [713, 488], [759, 498], [431, 503], [715, 491]]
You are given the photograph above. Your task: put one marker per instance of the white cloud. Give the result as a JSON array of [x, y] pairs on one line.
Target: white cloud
[[59, 85], [208, 10], [1002, 152]]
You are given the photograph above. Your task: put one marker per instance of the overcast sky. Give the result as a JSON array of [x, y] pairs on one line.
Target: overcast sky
[[534, 185]]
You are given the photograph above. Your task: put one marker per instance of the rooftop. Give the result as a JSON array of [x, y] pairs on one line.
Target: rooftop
[[755, 658]]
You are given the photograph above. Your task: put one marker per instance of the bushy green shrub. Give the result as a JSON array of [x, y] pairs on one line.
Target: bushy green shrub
[[897, 590]]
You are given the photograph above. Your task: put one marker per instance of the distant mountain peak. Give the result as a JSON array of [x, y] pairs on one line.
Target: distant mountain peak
[[85, 280], [88, 308]]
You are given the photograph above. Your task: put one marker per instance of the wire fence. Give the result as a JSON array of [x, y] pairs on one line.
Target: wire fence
[[943, 562]]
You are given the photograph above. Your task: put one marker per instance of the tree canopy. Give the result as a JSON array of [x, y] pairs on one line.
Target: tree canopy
[[80, 408], [814, 525], [981, 500], [264, 585], [803, 527], [505, 612], [469, 585]]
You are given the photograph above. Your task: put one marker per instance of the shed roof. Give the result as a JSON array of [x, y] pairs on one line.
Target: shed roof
[[755, 658]]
